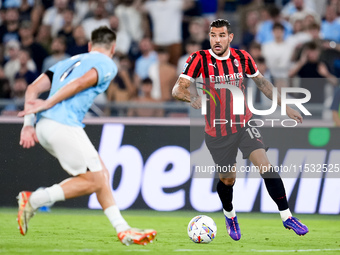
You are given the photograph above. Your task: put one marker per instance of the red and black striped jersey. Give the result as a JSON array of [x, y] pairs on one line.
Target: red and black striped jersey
[[231, 69]]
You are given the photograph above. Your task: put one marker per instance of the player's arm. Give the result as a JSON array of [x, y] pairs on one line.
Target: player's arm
[[181, 92], [88, 80], [28, 137], [267, 89], [185, 88], [40, 85]]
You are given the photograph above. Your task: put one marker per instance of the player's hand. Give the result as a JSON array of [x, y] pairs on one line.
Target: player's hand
[[295, 115], [28, 137], [196, 102], [34, 106]]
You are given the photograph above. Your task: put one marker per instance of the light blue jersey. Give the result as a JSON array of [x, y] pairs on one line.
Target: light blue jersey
[[72, 110]]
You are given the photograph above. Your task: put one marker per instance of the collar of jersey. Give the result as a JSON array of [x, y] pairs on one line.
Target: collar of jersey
[[217, 57]]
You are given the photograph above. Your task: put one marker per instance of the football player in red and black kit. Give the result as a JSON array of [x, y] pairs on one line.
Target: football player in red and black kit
[[224, 65]]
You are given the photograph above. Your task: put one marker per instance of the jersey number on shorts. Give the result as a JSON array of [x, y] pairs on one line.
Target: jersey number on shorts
[[253, 132], [69, 71]]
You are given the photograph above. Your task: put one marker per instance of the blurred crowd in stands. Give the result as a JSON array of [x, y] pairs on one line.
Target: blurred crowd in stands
[[296, 38]]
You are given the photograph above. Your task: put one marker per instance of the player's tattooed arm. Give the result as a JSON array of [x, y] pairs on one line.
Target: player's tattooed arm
[[186, 91], [181, 90], [266, 87]]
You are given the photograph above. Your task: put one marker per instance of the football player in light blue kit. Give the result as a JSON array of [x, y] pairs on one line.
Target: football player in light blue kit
[[73, 85]]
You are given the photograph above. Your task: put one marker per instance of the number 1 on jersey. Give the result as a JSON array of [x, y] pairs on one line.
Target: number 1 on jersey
[[69, 71]]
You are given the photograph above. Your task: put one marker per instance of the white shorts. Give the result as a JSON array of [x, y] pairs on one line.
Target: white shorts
[[70, 145]]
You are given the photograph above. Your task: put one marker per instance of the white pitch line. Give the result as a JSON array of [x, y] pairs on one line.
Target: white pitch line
[[79, 250], [93, 250], [137, 250], [180, 250], [184, 250], [307, 250], [253, 250]]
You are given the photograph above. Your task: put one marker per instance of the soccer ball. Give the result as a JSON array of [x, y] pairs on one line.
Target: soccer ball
[[202, 229]]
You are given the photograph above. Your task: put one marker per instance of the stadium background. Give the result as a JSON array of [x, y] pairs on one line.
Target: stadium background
[[151, 50]]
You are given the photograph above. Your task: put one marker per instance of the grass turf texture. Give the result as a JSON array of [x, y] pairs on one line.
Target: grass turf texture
[[70, 231]]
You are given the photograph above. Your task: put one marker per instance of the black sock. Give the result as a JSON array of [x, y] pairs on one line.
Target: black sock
[[275, 188], [225, 192]]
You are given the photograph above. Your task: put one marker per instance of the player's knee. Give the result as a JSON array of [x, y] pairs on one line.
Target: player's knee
[[101, 180], [94, 186], [106, 174], [264, 167], [94, 182], [228, 181]]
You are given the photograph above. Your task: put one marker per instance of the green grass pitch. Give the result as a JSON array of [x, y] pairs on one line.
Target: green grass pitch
[[70, 231]]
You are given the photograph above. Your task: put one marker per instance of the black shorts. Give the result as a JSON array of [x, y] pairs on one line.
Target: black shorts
[[224, 149]]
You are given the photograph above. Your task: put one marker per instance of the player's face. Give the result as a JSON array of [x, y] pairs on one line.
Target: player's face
[[220, 40]]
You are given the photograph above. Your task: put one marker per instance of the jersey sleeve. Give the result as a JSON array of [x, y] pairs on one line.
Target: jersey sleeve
[[192, 68], [251, 67], [106, 70]]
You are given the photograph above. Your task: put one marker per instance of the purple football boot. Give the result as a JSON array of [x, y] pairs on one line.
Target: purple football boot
[[233, 228], [293, 223]]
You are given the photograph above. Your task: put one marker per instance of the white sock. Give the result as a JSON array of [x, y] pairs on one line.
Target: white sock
[[230, 214], [47, 196], [116, 218], [285, 214]]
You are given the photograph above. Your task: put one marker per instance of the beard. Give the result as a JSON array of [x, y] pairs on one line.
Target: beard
[[221, 53]]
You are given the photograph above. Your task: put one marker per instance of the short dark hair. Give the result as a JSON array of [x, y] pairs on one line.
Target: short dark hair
[[273, 11], [60, 38], [147, 81], [161, 50], [104, 36], [314, 26], [312, 46], [27, 50], [221, 23], [279, 26]]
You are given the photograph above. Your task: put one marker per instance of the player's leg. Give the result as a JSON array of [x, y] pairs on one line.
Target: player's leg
[[223, 151], [272, 181], [276, 190], [252, 147], [88, 183], [96, 182], [76, 154], [83, 184], [225, 191], [126, 234]]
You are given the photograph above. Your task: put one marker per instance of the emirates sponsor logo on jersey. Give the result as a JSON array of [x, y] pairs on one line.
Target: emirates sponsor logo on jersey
[[225, 78]]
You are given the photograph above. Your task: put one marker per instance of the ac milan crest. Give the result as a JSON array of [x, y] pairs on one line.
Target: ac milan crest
[[236, 62]]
